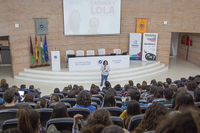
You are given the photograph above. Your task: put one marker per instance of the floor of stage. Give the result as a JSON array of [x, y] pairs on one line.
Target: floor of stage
[[177, 68]]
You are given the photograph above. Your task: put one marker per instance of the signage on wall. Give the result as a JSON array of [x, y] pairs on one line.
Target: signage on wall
[[41, 26], [135, 46], [185, 40]]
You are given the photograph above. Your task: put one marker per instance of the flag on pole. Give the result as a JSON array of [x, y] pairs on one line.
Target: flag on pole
[[36, 51], [46, 50], [141, 25], [41, 49], [31, 51]]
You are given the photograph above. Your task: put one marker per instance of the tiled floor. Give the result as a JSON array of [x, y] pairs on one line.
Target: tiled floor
[[177, 68]]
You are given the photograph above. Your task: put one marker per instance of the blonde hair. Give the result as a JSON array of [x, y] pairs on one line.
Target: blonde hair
[[14, 88]]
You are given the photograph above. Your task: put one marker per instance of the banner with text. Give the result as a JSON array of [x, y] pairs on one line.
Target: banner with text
[[135, 46], [149, 46]]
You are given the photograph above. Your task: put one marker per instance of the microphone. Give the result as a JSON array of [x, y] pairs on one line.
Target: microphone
[[55, 48]]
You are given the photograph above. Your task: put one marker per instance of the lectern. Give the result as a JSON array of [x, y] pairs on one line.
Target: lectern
[[55, 60]]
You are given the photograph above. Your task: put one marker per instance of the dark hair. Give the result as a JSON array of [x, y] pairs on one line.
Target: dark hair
[[23, 86], [127, 87], [113, 129], [75, 87], [66, 89], [197, 80], [4, 87], [41, 103], [117, 87], [29, 98], [113, 91], [131, 82], [168, 93], [159, 92], [107, 84], [97, 121], [153, 116], [56, 90], [183, 79], [81, 88], [133, 108], [71, 94], [144, 86], [8, 96], [84, 98], [76, 91], [54, 98], [148, 88], [180, 84], [166, 85], [109, 100], [173, 87], [153, 82], [70, 87], [182, 89], [169, 81], [31, 87], [139, 86], [191, 85], [135, 95], [104, 62], [28, 120], [94, 91], [191, 78], [92, 86], [59, 111], [197, 95], [160, 84], [174, 99], [153, 89], [12, 130]]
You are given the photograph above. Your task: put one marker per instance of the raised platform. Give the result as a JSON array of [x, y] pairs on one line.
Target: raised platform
[[136, 70]]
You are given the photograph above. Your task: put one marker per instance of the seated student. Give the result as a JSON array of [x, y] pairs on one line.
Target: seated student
[[169, 81], [138, 86], [9, 98], [184, 80], [143, 87], [191, 86], [81, 88], [83, 100], [54, 98], [153, 82], [107, 86], [133, 108], [109, 100], [173, 87], [17, 95], [41, 103], [125, 89], [153, 115], [165, 85], [65, 89], [191, 78], [56, 90], [197, 80], [113, 91], [160, 84], [59, 111], [146, 93], [117, 87], [23, 88], [33, 90], [3, 81], [130, 82], [114, 129], [180, 84], [71, 94], [29, 98], [167, 95], [93, 90], [4, 87], [197, 95], [157, 94]]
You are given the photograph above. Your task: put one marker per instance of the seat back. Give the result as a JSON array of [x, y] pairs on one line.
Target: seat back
[[102, 93], [27, 103], [114, 111], [45, 114], [1, 94], [101, 51], [83, 111], [80, 53], [64, 93], [62, 123], [169, 105], [117, 51], [54, 104], [118, 98], [6, 114], [143, 108], [117, 121], [149, 96], [119, 104], [46, 97], [158, 100], [153, 131], [72, 101], [11, 123], [134, 122], [143, 101], [98, 96], [95, 104], [59, 94], [69, 52], [97, 100], [90, 52]]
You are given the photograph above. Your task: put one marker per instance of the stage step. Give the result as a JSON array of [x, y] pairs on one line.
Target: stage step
[[90, 76]]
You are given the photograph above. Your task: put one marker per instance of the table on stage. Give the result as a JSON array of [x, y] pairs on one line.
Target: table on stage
[[95, 62]]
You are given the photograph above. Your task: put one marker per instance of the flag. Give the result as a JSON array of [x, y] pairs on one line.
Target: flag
[[36, 51], [41, 49], [46, 50], [141, 25], [31, 51]]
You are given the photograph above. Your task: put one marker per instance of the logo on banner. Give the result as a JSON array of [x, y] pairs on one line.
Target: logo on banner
[[151, 38], [55, 57], [150, 56], [135, 45], [99, 62]]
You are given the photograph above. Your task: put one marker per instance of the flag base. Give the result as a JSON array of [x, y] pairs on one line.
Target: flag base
[[32, 66], [37, 65], [47, 64], [42, 65]]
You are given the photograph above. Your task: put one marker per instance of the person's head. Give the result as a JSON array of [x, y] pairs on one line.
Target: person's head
[[109, 100], [183, 79], [117, 87], [94, 91], [59, 111], [23, 86], [148, 88], [127, 87], [169, 81], [29, 98], [9, 96], [113, 129], [105, 62], [185, 122], [191, 78], [139, 86], [113, 91], [81, 88], [54, 98], [182, 89], [31, 87], [144, 86], [191, 85], [184, 100], [92, 86], [3, 81], [153, 82], [159, 92], [14, 88], [133, 108], [56, 90], [28, 121], [70, 87], [153, 89], [197, 95], [180, 84], [83, 98], [71, 94], [197, 80], [41, 103], [107, 84], [160, 84], [66, 89], [76, 91], [153, 116], [75, 87], [165, 85], [167, 94], [12, 130], [97, 121], [173, 87], [134, 95], [4, 87], [130, 82]]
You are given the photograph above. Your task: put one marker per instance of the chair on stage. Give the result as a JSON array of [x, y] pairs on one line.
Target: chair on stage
[[117, 51], [80, 53], [101, 51], [69, 52], [90, 52]]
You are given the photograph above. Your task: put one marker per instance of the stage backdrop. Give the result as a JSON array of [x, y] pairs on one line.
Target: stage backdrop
[[149, 46], [135, 46], [90, 17]]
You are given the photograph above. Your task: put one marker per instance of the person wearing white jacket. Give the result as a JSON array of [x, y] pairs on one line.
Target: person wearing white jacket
[[105, 68]]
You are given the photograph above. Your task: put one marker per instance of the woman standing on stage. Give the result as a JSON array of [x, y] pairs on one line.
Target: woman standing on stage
[[105, 68]]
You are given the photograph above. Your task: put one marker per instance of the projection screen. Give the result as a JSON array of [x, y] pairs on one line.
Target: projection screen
[[91, 17]]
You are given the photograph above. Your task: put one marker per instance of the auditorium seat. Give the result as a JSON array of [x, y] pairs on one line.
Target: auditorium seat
[[54, 104], [102, 93], [64, 93], [117, 51], [90, 52], [149, 96], [143, 101], [6, 114], [99, 96], [72, 101], [46, 97], [95, 105], [117, 121], [134, 122], [197, 104], [114, 111], [119, 104], [11, 123], [80, 53], [168, 105], [118, 92], [97, 100], [1, 94], [27, 103], [158, 100], [143, 108], [45, 114], [83, 111], [101, 51], [59, 94], [118, 98], [62, 123], [150, 131]]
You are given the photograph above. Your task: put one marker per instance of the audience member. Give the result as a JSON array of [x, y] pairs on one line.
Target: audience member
[[4, 87], [109, 100], [93, 90], [113, 129], [183, 80], [180, 84], [197, 80], [54, 98], [3, 81], [65, 89], [158, 93], [160, 84], [167, 95], [71, 94], [81, 88], [113, 91], [146, 93], [14, 88], [34, 91], [153, 82], [23, 88], [191, 78], [107, 86], [56, 90], [144, 87], [169, 81], [41, 103], [117, 87], [165, 85], [191, 86], [126, 88], [59, 111], [9, 98], [130, 82], [197, 95], [173, 87], [29, 98]]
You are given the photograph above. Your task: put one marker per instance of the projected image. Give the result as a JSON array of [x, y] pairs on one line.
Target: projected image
[[91, 17]]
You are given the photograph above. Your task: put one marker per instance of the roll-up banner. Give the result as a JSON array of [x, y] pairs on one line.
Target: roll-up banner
[[135, 46], [149, 46]]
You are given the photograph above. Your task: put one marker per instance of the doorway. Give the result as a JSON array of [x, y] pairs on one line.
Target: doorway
[[5, 58]]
